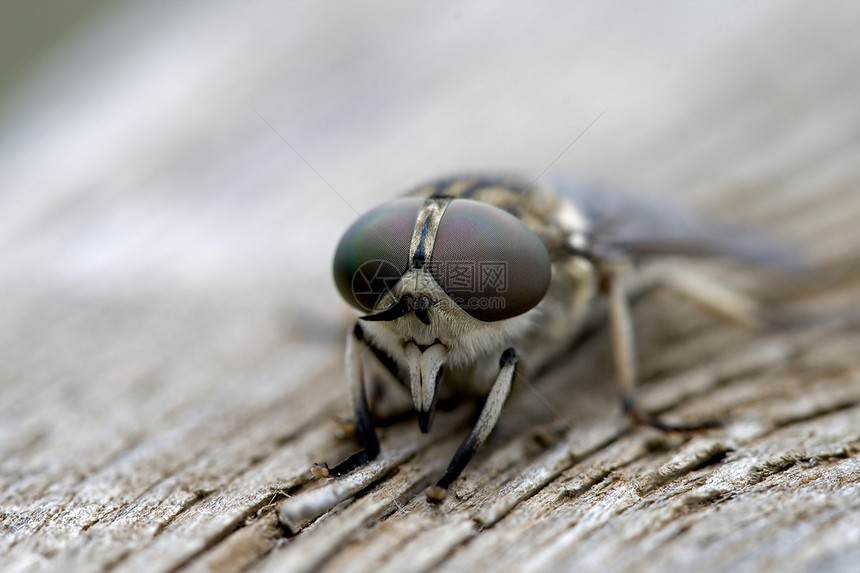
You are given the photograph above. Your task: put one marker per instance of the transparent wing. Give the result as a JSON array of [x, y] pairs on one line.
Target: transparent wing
[[624, 225]]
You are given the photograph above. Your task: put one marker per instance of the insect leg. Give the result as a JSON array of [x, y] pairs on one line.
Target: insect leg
[[623, 342], [486, 422], [714, 296], [388, 396], [356, 346]]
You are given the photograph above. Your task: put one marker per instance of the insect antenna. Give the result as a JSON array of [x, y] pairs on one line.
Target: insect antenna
[[393, 312]]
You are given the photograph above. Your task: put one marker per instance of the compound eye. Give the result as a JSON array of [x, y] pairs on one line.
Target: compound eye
[[374, 253], [488, 261]]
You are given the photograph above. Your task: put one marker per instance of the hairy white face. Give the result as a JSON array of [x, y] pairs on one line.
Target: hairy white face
[[450, 338], [464, 337]]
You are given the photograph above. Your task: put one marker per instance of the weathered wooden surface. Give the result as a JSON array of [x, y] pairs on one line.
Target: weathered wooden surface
[[170, 351]]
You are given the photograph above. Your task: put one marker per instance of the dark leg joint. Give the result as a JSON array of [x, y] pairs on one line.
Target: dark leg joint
[[370, 443], [352, 462], [632, 409], [509, 357]]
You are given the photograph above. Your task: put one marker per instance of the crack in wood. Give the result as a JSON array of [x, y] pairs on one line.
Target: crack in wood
[[214, 540]]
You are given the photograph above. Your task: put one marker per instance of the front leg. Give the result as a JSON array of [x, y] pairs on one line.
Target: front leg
[[486, 422], [356, 347]]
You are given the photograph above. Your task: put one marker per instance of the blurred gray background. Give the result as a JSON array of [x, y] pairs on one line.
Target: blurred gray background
[[135, 151], [174, 178]]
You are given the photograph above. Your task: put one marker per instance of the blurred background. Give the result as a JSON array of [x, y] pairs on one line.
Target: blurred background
[[220, 145], [174, 177]]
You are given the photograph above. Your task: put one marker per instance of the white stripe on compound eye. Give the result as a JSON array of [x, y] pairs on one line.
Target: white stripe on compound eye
[[429, 216]]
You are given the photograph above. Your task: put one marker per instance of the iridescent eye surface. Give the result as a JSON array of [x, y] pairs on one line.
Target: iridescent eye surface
[[488, 261], [374, 252]]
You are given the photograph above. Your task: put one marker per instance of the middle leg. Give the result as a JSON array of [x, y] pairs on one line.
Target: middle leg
[[624, 351]]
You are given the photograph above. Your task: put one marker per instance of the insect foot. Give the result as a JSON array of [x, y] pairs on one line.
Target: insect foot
[[639, 416], [320, 471], [436, 493]]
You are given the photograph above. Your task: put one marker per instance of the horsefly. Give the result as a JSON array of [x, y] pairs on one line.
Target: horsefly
[[469, 281]]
